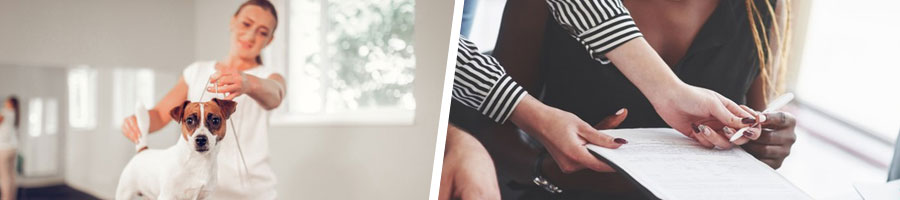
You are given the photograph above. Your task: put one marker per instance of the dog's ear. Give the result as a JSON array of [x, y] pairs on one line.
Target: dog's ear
[[178, 112], [227, 106]]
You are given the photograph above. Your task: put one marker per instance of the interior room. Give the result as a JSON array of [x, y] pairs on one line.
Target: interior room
[[845, 90], [80, 67]]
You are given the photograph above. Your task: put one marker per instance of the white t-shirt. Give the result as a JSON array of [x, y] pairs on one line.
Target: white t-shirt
[[8, 138], [251, 121]]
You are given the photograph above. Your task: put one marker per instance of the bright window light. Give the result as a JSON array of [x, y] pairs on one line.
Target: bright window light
[[50, 117], [344, 58], [848, 73], [82, 97], [130, 87], [35, 116]]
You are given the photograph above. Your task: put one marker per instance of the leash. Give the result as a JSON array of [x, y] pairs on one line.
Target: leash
[[233, 130]]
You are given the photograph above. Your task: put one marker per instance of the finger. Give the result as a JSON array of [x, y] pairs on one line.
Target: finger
[[698, 135], [753, 133], [132, 131], [715, 138], [729, 132], [735, 109], [778, 120], [775, 137], [773, 163], [727, 113], [126, 130], [223, 89], [228, 79], [756, 114], [215, 77], [586, 159], [613, 121], [598, 138], [766, 151], [232, 96]]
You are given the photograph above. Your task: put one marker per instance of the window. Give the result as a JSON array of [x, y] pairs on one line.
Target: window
[[848, 73], [82, 97], [51, 119], [35, 116], [130, 87], [347, 61]]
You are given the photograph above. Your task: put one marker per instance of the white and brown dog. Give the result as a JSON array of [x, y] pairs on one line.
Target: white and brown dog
[[186, 170]]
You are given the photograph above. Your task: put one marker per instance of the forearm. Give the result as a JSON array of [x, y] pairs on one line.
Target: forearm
[[644, 68], [157, 121], [267, 92]]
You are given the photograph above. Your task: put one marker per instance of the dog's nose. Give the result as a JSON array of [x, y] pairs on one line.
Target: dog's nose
[[201, 140]]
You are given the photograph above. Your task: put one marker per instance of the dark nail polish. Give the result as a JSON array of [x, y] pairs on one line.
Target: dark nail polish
[[620, 141], [748, 120], [748, 133], [696, 129]]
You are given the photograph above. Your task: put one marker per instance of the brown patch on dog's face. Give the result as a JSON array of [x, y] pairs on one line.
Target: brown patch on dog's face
[[188, 115], [217, 112], [212, 115]]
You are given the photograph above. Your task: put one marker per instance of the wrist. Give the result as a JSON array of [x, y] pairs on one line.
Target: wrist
[[251, 82], [528, 115], [663, 92]]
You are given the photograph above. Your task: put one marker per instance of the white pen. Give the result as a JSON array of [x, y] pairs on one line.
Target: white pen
[[774, 105]]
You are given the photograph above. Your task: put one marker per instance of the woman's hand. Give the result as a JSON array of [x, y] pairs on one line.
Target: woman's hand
[[468, 171], [563, 134], [682, 106], [686, 107], [774, 144], [230, 81], [130, 129]]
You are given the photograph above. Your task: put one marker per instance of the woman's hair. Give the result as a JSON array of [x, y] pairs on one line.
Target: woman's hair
[[265, 5], [14, 101], [772, 67]]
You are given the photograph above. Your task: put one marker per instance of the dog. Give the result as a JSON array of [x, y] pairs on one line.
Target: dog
[[186, 170]]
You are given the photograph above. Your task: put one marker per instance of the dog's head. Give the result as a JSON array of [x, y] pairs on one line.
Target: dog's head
[[201, 121]]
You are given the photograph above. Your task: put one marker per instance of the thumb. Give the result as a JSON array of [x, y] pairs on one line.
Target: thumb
[[611, 122]]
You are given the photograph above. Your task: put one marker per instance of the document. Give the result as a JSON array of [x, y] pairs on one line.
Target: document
[[879, 191], [672, 166]]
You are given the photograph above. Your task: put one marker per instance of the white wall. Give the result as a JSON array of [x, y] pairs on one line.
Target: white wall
[[44, 35], [311, 162], [97, 33]]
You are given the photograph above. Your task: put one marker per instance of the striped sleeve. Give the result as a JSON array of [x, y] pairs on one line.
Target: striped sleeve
[[600, 25], [482, 84]]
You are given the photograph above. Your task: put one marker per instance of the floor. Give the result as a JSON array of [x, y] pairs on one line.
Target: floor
[[52, 192]]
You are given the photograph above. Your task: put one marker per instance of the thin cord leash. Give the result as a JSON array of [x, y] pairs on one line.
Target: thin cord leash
[[231, 124]]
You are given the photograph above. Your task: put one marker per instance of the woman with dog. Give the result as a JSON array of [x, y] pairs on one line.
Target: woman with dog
[[242, 78]]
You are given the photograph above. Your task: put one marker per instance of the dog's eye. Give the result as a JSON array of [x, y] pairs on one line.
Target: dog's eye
[[189, 121], [215, 121]]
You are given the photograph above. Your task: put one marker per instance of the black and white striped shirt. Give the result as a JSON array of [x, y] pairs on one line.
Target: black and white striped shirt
[[481, 83]]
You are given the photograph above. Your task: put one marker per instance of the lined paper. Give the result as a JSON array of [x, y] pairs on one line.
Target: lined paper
[[672, 166]]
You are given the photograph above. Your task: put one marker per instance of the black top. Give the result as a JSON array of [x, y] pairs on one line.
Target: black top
[[721, 58]]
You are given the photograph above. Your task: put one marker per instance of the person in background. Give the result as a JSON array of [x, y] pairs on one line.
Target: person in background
[[9, 124]]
